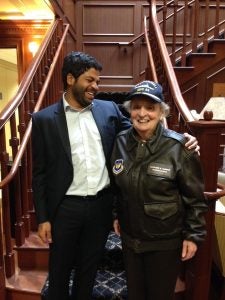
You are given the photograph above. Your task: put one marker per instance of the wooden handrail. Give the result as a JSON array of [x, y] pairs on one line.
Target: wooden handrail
[[213, 196], [151, 61], [19, 97], [170, 74], [149, 52], [13, 104]]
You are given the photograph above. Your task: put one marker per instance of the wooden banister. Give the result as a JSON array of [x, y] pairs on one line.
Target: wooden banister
[[40, 87], [158, 44], [213, 196]]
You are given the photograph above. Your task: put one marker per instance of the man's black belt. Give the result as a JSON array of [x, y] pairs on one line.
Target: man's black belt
[[91, 197]]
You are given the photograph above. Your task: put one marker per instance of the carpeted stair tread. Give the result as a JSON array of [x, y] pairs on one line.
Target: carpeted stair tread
[[113, 242], [110, 285], [112, 258]]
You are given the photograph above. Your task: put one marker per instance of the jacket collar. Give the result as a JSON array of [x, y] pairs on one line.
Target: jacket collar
[[152, 144]]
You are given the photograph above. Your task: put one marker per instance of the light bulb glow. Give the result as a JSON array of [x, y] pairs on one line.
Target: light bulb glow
[[33, 47]]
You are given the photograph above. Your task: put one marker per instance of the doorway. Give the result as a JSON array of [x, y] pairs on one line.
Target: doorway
[[8, 75]]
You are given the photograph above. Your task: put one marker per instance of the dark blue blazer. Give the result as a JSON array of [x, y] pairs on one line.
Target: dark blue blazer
[[52, 162]]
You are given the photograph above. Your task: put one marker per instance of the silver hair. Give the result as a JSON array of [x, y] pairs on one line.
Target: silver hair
[[164, 107]]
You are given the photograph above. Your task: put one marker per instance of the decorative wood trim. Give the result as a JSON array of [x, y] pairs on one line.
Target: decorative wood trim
[[23, 27]]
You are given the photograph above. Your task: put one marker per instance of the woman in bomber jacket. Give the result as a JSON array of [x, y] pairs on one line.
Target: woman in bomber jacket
[[161, 201]]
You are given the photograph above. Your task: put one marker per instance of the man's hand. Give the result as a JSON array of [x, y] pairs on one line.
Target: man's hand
[[116, 227], [192, 143], [44, 232], [189, 249]]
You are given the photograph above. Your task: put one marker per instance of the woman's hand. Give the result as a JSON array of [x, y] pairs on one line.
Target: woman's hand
[[116, 226], [192, 143], [189, 249]]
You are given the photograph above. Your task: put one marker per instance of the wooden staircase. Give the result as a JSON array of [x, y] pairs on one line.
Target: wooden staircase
[[31, 271], [199, 64]]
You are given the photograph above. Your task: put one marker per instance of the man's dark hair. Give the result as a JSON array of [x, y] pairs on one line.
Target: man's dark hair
[[77, 63]]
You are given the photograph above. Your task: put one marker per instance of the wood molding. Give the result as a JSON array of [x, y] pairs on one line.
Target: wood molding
[[23, 27]]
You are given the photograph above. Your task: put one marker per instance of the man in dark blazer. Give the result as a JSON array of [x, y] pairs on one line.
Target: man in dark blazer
[[72, 142]]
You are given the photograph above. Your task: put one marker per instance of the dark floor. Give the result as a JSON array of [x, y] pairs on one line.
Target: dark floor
[[217, 285]]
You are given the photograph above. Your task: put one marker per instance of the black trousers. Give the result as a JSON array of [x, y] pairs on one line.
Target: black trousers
[[79, 233], [151, 275]]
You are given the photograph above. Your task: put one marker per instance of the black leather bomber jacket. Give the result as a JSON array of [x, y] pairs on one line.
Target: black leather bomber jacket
[[161, 200]]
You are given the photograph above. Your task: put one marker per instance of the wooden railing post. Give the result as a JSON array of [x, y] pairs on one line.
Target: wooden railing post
[[198, 271]]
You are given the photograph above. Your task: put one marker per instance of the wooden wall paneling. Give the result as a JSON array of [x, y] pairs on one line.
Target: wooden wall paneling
[[193, 95], [214, 81], [110, 25], [104, 30], [190, 93], [218, 89], [108, 20], [70, 44], [140, 50], [66, 10], [69, 8], [196, 93], [143, 61], [117, 63]]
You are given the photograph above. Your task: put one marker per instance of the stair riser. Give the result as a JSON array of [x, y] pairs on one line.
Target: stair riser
[[21, 295], [33, 259], [217, 47], [201, 62], [201, 65]]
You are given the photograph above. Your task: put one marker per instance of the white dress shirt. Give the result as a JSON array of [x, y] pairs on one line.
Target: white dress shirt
[[90, 171]]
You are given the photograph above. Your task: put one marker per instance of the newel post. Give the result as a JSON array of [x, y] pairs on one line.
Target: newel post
[[198, 271]]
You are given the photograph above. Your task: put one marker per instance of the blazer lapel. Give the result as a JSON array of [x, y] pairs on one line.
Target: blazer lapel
[[60, 120], [98, 115]]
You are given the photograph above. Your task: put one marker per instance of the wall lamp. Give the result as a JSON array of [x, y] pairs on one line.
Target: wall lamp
[[33, 47]]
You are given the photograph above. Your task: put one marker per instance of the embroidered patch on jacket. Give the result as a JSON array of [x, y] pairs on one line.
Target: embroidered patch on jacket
[[160, 170], [118, 166]]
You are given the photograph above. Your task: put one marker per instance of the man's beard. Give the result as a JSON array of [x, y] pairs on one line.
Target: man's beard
[[79, 95]]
